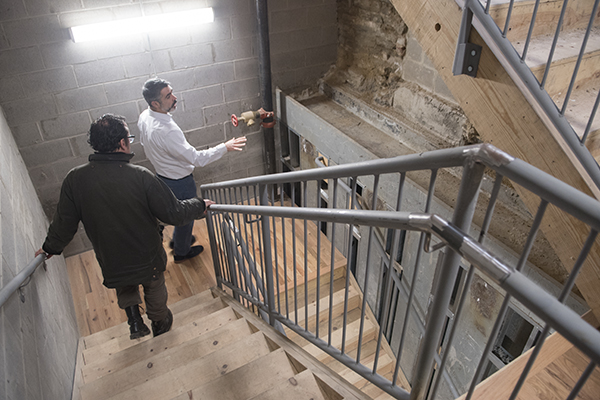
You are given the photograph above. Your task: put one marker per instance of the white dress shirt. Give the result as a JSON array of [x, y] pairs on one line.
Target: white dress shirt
[[167, 148]]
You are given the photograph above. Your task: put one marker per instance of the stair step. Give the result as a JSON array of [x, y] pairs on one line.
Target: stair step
[[122, 329], [339, 282], [212, 325], [337, 309], [171, 358], [352, 331], [300, 387], [576, 17], [384, 366], [196, 373], [248, 381], [122, 342]]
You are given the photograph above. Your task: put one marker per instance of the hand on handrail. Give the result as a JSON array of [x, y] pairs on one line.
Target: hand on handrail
[[40, 251]]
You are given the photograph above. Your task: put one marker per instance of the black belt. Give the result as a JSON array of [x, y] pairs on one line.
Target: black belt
[[169, 179]]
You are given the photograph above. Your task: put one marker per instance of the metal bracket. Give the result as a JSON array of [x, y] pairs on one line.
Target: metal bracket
[[466, 58]]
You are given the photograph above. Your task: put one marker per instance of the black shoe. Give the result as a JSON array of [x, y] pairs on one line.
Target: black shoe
[[172, 243], [194, 251], [137, 327], [163, 326]]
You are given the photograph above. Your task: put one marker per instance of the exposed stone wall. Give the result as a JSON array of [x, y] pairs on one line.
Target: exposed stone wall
[[51, 88], [380, 60], [372, 46], [38, 337]]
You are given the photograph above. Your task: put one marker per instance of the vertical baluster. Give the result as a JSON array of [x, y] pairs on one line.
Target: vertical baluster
[[504, 307], [508, 16], [348, 272], [462, 218], [304, 204], [295, 261], [318, 292], [367, 268], [530, 31], [554, 42], [582, 379], [591, 120], [416, 269], [562, 298], [285, 266], [332, 263], [268, 261], [212, 236], [580, 57], [482, 234], [276, 265]]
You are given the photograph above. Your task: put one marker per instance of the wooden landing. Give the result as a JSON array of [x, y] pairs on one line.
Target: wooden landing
[[96, 306], [554, 373]]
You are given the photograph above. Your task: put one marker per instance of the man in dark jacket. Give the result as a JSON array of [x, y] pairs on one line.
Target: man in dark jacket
[[120, 205]]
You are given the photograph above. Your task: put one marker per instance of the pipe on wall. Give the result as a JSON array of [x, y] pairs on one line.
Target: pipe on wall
[[264, 75]]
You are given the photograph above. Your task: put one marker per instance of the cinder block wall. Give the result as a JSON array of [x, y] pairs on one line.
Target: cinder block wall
[[38, 337], [51, 88]]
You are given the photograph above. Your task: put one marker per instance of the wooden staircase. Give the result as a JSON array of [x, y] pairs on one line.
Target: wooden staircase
[[219, 349], [502, 116], [319, 263], [215, 350], [564, 60]]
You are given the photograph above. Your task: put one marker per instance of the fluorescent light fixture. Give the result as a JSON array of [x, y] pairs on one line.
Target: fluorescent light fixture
[[131, 26]]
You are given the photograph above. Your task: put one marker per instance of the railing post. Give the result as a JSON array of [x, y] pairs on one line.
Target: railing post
[[213, 242], [268, 258], [463, 215]]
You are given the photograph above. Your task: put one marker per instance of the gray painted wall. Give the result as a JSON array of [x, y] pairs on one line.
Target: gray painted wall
[[38, 338], [484, 297], [51, 88]]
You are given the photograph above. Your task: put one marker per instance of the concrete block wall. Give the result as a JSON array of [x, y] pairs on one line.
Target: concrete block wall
[[417, 68], [38, 337], [51, 89]]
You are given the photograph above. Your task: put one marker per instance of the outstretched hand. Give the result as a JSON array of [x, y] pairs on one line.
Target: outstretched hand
[[236, 144]]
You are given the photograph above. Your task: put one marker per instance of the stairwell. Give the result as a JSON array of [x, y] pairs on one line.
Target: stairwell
[[219, 349]]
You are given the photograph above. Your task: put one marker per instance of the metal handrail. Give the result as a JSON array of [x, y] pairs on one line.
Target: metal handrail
[[538, 97], [17, 282], [236, 197]]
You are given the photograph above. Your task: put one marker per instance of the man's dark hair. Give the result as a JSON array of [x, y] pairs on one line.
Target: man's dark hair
[[152, 88], [106, 132]]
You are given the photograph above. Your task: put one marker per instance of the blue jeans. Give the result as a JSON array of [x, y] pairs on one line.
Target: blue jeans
[[183, 189]]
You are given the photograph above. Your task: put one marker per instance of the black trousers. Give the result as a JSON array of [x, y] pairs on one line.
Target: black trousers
[[155, 297]]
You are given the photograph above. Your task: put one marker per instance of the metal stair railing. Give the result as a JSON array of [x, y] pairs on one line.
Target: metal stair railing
[[476, 13], [258, 208]]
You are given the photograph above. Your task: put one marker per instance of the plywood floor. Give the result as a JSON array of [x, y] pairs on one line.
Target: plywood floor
[[96, 306]]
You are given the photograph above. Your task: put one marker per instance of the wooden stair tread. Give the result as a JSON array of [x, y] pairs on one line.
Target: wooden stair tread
[[557, 368], [299, 387], [577, 17], [248, 381], [352, 331], [209, 328], [122, 342], [118, 330], [171, 358], [302, 291], [337, 309], [179, 380]]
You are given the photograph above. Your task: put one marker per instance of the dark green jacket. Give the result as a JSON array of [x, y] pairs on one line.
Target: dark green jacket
[[119, 204]]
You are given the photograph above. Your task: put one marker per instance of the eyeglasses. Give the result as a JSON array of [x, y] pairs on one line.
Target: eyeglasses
[[130, 137]]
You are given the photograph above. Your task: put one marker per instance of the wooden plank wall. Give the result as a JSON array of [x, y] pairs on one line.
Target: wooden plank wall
[[504, 118]]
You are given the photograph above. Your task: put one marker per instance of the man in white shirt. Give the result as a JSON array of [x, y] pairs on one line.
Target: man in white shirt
[[173, 158]]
